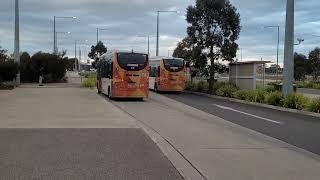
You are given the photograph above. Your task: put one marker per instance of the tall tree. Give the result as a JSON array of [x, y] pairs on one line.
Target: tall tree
[[314, 63], [186, 50], [97, 51], [300, 66], [214, 26]]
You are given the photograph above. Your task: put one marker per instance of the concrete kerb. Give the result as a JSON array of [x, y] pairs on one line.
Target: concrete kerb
[[186, 170], [306, 113]]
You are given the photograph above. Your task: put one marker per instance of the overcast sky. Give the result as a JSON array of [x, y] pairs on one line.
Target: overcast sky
[[127, 19]]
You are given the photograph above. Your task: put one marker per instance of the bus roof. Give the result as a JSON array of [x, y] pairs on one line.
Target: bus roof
[[122, 51], [157, 58]]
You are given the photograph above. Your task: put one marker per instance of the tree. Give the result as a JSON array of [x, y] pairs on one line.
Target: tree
[[191, 54], [3, 54], [300, 66], [314, 63], [214, 28], [97, 51]]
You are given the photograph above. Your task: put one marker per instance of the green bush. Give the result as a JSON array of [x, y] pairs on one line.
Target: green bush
[[314, 105], [295, 101], [218, 85], [89, 82], [227, 90], [310, 84], [260, 95], [241, 94], [274, 98], [8, 70], [202, 86], [191, 86]]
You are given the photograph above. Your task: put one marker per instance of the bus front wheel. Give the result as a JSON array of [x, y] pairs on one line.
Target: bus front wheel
[[98, 88], [155, 88], [109, 92]]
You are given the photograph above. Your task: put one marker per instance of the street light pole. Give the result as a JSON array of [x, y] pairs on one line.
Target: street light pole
[[75, 55], [148, 45], [54, 30], [17, 39], [97, 35], [56, 39], [288, 50], [158, 24], [100, 29], [157, 48], [278, 44], [54, 35]]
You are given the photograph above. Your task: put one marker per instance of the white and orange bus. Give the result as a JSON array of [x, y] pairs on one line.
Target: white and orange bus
[[123, 74], [167, 74]]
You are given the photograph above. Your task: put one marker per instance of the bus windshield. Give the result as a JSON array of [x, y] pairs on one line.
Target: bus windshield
[[174, 65], [132, 61]]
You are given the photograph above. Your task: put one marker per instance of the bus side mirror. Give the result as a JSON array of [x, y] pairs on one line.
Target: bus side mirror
[[188, 64]]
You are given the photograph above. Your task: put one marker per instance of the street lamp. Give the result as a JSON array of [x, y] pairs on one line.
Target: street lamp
[[288, 50], [17, 39], [148, 38], [100, 29], [278, 43], [57, 38], [158, 17], [77, 63], [54, 30]]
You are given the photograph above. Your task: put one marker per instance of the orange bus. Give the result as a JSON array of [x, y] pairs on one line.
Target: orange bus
[[167, 74], [123, 74]]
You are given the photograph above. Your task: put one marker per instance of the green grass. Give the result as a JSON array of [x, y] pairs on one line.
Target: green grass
[[89, 82]]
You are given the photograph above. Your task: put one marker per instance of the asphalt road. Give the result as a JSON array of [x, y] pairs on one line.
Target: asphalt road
[[298, 130]]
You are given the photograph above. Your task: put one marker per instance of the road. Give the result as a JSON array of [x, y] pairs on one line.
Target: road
[[298, 130], [219, 149]]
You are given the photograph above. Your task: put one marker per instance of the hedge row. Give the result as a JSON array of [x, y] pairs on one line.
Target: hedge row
[[267, 95], [53, 68]]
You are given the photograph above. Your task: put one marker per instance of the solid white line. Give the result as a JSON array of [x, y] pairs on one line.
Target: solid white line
[[252, 115]]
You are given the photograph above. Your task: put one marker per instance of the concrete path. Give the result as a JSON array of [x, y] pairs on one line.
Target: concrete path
[[219, 149], [73, 133]]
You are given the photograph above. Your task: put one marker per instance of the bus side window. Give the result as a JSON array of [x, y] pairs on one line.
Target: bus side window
[[110, 70], [105, 69], [158, 71]]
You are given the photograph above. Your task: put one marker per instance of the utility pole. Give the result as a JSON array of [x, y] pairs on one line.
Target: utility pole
[[54, 35], [17, 40], [277, 70], [148, 45], [75, 55], [157, 48], [288, 50]]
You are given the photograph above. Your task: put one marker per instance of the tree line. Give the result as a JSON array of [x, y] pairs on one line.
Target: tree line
[[52, 66]]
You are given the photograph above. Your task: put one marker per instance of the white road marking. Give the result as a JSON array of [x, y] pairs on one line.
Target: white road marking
[[252, 115]]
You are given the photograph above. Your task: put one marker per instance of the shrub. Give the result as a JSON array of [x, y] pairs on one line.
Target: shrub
[[270, 89], [218, 85], [8, 70], [202, 86], [274, 98], [295, 101], [190, 86], [314, 105], [241, 94], [89, 82], [227, 90], [260, 95]]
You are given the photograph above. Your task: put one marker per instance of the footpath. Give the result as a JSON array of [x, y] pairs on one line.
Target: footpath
[[67, 132]]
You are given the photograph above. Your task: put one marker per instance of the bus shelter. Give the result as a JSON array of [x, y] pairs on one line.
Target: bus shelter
[[248, 75]]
